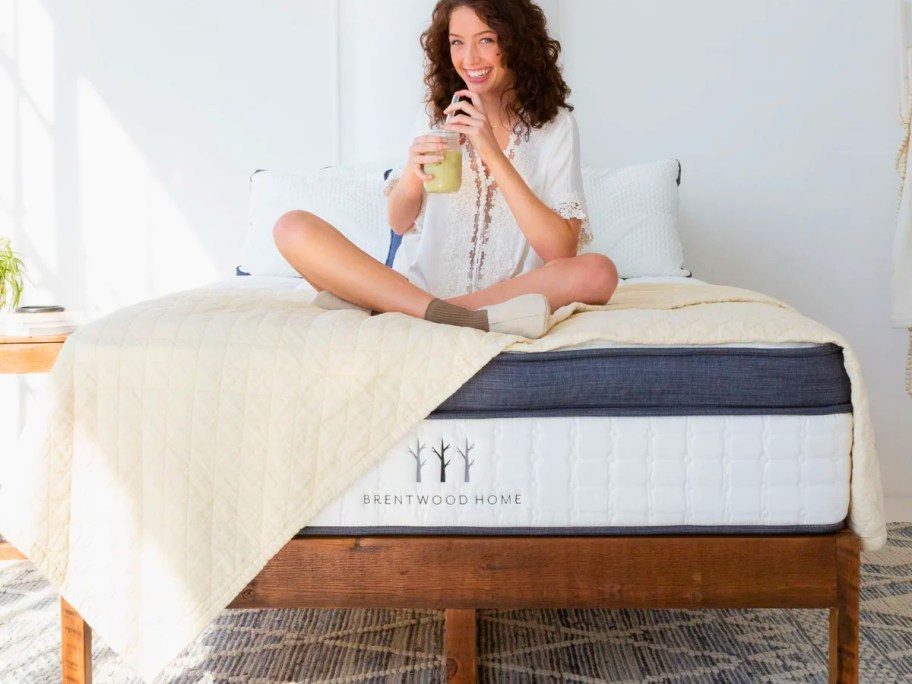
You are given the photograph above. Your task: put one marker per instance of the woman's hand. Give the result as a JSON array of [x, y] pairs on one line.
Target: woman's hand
[[425, 149], [470, 120]]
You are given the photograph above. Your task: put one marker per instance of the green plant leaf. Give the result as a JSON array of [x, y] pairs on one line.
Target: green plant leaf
[[12, 271]]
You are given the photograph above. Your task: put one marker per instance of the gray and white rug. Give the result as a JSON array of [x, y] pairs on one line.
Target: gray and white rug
[[631, 646]]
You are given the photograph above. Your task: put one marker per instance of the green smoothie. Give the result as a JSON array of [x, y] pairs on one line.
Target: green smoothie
[[447, 174]]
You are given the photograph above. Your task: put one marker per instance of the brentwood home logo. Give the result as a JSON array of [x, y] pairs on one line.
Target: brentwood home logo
[[441, 456], [441, 500], [464, 450]]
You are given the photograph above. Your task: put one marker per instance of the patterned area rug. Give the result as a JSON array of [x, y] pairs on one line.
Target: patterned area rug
[[631, 646]]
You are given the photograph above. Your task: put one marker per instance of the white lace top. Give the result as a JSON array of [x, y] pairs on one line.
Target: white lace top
[[468, 240]]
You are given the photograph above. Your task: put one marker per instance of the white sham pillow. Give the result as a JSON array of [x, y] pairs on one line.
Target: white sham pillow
[[349, 197], [633, 214]]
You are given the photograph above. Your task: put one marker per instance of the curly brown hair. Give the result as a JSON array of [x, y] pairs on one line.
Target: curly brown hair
[[528, 52]]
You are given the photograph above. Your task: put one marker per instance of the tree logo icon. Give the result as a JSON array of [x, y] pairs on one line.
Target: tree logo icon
[[467, 463]]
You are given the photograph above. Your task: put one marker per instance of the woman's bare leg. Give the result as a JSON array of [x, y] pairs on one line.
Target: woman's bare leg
[[587, 278], [329, 261]]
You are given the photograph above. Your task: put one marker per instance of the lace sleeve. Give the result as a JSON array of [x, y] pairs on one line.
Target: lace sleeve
[[572, 207], [564, 189]]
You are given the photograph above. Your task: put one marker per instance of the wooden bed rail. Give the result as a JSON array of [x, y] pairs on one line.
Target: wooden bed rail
[[547, 572], [462, 574]]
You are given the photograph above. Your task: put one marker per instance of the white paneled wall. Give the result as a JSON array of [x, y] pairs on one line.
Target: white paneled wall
[[129, 131]]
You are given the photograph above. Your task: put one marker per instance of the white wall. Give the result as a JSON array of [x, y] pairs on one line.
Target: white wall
[[784, 115], [128, 132]]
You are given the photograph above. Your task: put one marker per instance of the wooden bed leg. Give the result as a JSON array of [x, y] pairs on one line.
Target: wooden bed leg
[[844, 617], [76, 646], [459, 646]]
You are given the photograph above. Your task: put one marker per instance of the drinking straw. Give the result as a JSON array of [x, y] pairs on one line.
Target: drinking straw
[[452, 102]]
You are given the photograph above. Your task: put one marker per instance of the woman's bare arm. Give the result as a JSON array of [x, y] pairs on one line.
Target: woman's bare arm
[[404, 203]]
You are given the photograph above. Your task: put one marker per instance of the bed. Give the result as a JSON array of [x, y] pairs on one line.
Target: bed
[[595, 483], [235, 446]]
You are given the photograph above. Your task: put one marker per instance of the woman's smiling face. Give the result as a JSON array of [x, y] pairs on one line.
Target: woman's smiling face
[[476, 54]]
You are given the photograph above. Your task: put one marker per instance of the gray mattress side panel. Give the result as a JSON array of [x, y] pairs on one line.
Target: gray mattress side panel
[[656, 382]]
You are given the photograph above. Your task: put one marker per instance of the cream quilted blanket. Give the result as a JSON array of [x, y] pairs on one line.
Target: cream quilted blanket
[[186, 439]]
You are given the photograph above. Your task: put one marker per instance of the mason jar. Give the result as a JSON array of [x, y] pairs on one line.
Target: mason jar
[[447, 173]]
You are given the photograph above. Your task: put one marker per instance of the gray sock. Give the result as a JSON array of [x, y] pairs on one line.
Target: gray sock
[[439, 311]]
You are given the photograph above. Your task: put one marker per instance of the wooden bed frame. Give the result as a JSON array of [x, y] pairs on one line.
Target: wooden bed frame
[[463, 574]]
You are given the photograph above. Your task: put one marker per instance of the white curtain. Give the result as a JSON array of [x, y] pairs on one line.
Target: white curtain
[[902, 245]]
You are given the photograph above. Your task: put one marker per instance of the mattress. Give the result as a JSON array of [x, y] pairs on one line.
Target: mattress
[[615, 439], [519, 475]]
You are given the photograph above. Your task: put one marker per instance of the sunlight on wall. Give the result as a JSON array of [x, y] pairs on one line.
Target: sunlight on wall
[[37, 234], [7, 132], [27, 208], [35, 48], [6, 28], [27, 92], [38, 223], [137, 242], [122, 229], [7, 150]]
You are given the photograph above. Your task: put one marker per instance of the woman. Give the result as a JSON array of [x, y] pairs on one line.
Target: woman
[[501, 253]]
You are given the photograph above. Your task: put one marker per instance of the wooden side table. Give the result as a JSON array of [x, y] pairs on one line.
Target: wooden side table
[[26, 355], [29, 354]]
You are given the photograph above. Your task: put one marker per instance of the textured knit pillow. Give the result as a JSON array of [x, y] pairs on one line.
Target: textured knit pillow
[[633, 212], [350, 198]]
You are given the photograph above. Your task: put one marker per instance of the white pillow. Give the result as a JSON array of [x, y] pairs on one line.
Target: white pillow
[[633, 214], [350, 198]]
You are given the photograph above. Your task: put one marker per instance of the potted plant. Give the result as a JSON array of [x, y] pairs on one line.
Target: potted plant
[[12, 271]]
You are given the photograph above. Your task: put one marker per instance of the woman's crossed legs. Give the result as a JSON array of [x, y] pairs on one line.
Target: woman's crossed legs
[[329, 261]]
